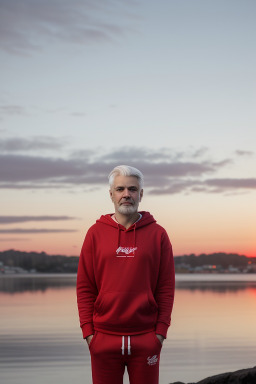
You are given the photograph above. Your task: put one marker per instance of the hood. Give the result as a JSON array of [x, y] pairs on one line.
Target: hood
[[146, 219]]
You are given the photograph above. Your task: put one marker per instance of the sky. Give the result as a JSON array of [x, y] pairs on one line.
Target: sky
[[166, 86]]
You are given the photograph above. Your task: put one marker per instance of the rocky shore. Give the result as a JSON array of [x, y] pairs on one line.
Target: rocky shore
[[243, 376]]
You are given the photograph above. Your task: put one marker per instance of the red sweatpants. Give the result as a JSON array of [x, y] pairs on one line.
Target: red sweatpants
[[111, 353]]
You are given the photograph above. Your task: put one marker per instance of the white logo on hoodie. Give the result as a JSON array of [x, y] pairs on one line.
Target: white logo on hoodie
[[126, 250]]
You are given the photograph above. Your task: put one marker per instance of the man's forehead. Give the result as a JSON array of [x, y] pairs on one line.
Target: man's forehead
[[125, 181]]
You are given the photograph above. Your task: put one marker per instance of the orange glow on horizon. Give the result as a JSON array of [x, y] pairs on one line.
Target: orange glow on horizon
[[72, 250], [252, 291]]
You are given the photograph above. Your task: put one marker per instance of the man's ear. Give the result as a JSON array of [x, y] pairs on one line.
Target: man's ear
[[141, 194], [110, 194]]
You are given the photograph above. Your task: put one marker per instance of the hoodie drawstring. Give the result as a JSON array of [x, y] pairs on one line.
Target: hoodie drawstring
[[134, 239], [126, 251], [118, 236]]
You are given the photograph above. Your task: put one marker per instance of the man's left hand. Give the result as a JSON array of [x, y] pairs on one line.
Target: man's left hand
[[160, 338]]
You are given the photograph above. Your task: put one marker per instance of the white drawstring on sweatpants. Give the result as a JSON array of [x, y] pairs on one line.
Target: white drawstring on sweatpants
[[122, 345], [129, 345]]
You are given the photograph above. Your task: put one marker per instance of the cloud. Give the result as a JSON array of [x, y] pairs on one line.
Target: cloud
[[173, 187], [78, 114], [136, 154], [35, 230], [34, 143], [238, 183], [206, 186], [30, 186], [11, 109], [23, 219], [166, 170], [244, 153], [28, 25], [201, 151], [25, 168], [74, 170]]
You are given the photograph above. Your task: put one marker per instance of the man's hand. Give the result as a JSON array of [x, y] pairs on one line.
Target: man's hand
[[160, 338], [89, 339]]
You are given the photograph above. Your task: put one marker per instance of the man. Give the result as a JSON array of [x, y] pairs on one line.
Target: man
[[125, 286]]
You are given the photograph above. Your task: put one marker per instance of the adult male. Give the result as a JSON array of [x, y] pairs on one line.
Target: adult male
[[125, 286]]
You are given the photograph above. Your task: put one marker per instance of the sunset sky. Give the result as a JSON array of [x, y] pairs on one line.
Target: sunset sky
[[167, 86]]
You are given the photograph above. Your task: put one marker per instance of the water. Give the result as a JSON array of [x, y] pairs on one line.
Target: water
[[212, 331]]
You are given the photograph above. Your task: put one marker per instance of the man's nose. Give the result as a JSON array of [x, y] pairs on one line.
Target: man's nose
[[126, 192]]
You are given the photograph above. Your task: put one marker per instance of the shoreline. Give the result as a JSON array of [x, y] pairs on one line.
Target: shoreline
[[179, 277], [247, 375]]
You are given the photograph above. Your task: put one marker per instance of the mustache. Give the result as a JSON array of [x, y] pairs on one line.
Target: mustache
[[127, 200]]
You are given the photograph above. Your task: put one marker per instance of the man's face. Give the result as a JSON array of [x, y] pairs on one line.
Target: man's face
[[126, 194]]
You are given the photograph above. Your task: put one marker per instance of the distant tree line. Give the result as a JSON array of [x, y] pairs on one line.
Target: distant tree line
[[41, 262], [221, 258]]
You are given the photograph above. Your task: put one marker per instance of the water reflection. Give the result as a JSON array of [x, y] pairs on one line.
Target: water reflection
[[216, 286], [212, 329], [16, 283], [40, 282]]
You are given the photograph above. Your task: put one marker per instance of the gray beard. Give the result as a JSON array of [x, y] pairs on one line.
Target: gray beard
[[124, 210]]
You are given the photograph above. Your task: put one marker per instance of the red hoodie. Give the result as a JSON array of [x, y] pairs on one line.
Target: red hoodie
[[125, 278]]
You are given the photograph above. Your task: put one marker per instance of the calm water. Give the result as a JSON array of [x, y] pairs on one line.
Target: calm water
[[213, 329]]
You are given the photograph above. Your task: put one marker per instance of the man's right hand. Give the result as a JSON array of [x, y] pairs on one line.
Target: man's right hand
[[89, 339]]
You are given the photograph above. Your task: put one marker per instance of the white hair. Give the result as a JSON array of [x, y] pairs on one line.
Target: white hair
[[126, 170]]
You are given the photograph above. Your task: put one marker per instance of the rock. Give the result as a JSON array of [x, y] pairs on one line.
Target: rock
[[243, 376], [178, 382]]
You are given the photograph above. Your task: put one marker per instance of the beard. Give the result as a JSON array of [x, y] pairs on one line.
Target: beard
[[128, 209]]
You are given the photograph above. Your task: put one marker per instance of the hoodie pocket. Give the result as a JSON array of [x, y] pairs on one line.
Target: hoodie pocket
[[126, 309], [152, 301], [93, 340], [159, 343]]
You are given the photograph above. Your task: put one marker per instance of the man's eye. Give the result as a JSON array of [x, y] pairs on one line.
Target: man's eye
[[133, 189], [119, 189]]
